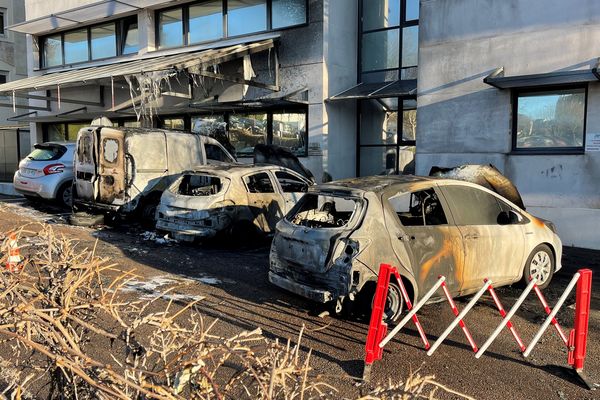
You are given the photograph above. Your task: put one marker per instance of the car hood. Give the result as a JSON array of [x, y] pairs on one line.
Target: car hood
[[487, 176]]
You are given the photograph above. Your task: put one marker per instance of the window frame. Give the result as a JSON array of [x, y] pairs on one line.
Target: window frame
[[403, 23], [3, 22], [186, 23], [120, 25], [516, 93]]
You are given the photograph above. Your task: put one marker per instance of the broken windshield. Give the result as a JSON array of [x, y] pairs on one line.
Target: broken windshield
[[324, 211], [199, 185]]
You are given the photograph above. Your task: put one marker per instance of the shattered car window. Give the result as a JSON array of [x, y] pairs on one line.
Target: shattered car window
[[259, 183], [320, 211], [420, 208], [199, 185], [290, 183]]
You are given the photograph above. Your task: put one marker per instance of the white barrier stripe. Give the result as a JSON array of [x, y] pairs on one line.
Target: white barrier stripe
[[412, 312], [551, 316], [510, 314], [459, 317]]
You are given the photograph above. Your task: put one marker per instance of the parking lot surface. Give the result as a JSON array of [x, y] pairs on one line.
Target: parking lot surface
[[233, 280]]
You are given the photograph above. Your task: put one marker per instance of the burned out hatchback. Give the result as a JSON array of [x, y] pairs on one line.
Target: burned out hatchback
[[232, 198], [329, 247]]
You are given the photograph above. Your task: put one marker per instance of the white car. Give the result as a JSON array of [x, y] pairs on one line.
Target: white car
[[47, 173]]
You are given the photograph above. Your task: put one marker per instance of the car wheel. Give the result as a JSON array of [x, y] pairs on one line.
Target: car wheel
[[147, 210], [540, 265], [64, 196]]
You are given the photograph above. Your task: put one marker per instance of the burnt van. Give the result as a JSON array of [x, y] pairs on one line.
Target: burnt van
[[125, 170]]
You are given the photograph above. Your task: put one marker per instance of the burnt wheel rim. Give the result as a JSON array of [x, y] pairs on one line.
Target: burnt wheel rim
[[540, 267], [393, 303]]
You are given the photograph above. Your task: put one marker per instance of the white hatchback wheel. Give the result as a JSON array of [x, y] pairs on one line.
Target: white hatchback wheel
[[540, 265]]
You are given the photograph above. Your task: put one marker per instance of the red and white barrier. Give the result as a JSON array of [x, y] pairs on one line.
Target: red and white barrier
[[576, 342]]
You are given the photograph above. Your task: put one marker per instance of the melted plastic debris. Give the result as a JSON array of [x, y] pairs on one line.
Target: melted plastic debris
[[153, 236]]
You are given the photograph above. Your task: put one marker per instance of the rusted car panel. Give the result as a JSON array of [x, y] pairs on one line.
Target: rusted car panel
[[117, 169], [214, 199], [425, 226]]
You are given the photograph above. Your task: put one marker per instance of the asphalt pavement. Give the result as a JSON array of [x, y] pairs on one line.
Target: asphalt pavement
[[233, 280]]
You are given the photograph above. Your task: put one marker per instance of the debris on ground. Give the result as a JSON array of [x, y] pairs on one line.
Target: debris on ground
[[158, 239], [70, 330]]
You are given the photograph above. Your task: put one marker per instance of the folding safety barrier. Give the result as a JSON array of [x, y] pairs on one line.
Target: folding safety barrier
[[576, 342]]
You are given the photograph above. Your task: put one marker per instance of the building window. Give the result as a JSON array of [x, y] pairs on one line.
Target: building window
[[3, 76], [246, 16], [244, 131], [170, 28], [387, 137], [90, 43], [2, 22], [63, 132], [549, 120], [206, 21], [390, 37], [104, 42]]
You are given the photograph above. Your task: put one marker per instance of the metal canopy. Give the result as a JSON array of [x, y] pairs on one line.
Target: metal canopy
[[89, 13], [175, 62], [399, 88], [498, 80]]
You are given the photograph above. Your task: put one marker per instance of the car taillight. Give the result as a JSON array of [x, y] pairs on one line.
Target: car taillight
[[53, 169]]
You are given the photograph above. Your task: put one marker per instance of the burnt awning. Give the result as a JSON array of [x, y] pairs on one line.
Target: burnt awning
[[498, 80], [400, 88], [173, 62]]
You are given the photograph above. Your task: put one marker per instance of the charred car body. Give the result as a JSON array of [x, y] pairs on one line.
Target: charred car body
[[236, 199], [127, 169], [329, 247]]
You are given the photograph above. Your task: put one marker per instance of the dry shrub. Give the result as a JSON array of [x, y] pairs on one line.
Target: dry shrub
[[70, 332]]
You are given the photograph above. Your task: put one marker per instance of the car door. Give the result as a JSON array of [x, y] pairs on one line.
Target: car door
[[292, 187], [422, 227], [492, 250], [111, 166], [266, 204]]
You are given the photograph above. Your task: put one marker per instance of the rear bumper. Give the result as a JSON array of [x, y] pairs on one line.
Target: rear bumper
[[38, 187], [318, 295]]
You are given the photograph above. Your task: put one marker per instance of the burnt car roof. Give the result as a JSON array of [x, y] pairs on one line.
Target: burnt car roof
[[375, 184], [236, 168]]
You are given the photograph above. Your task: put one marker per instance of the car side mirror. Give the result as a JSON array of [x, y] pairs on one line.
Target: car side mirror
[[508, 218]]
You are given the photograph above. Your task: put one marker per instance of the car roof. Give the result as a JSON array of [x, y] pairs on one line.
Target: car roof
[[66, 144], [238, 169], [375, 184]]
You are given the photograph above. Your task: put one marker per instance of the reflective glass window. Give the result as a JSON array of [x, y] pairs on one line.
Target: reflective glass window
[[289, 131], [380, 14], [288, 13], [173, 123], [379, 123], [246, 131], [131, 41], [76, 46], [206, 21], [246, 16], [550, 119], [412, 10], [380, 50], [56, 133], [52, 51], [73, 130], [104, 41], [410, 46], [170, 28], [377, 160]]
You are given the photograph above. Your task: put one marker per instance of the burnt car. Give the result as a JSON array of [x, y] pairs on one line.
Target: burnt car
[[237, 199], [329, 247]]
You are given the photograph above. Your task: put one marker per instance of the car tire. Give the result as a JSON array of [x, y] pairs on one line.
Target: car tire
[[244, 232], [147, 210], [540, 264], [85, 219], [394, 304], [64, 195]]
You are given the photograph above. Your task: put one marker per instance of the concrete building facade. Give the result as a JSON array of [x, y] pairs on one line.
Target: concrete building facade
[[353, 87], [14, 136]]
